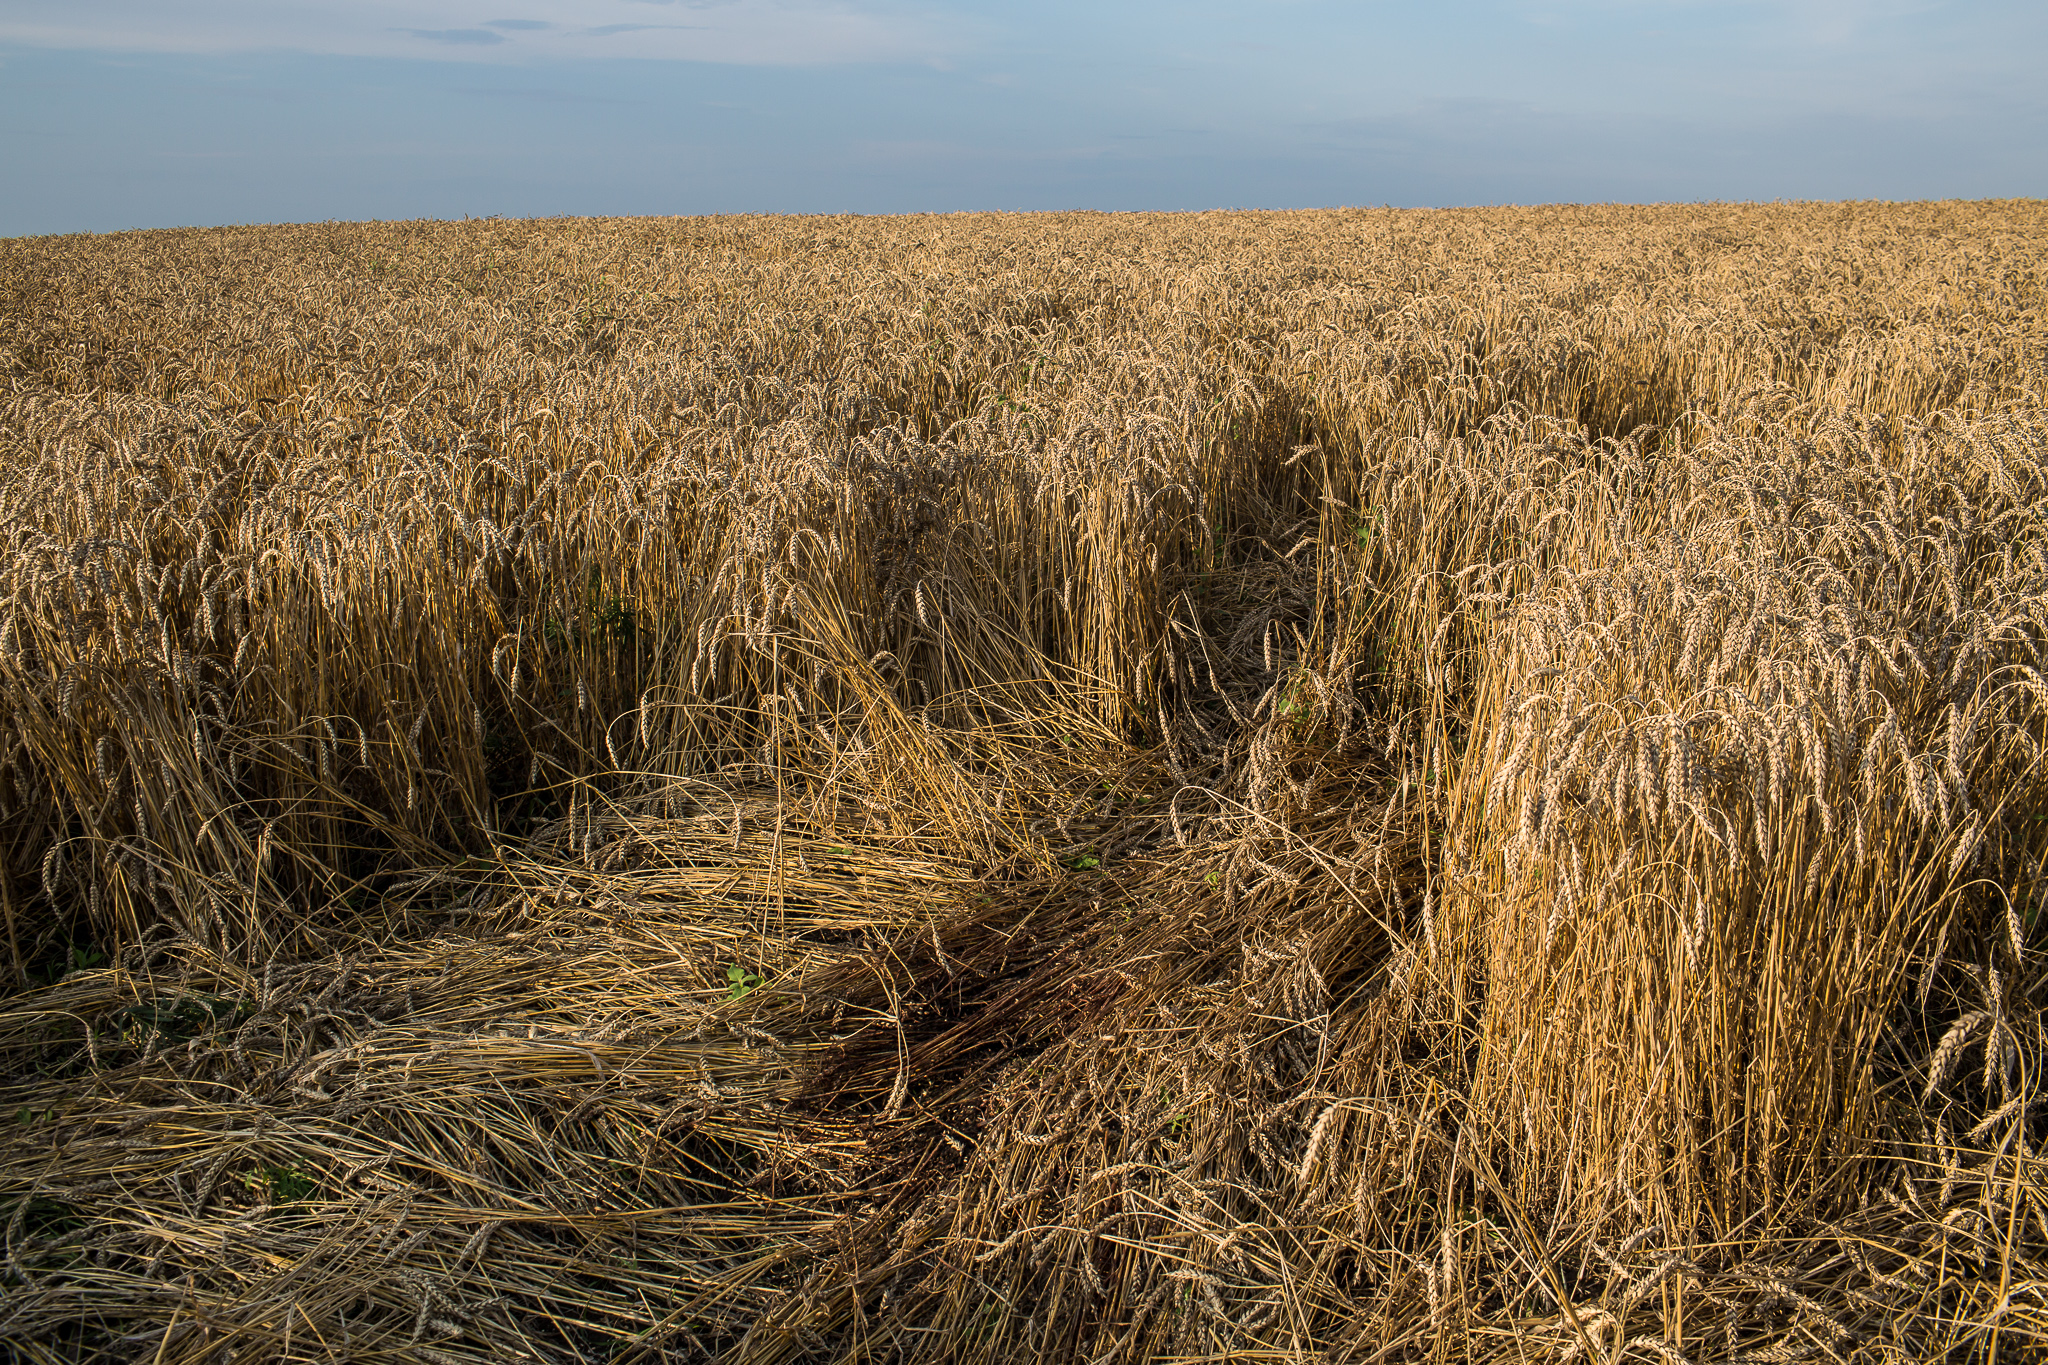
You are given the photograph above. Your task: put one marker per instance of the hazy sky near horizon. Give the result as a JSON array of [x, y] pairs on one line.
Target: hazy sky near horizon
[[154, 113]]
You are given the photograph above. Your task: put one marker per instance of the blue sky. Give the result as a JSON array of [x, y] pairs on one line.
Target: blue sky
[[150, 113]]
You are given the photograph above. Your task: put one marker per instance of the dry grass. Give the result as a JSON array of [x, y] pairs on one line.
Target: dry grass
[[1371, 786]]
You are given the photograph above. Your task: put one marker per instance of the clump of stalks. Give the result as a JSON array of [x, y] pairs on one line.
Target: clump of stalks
[[1284, 786]]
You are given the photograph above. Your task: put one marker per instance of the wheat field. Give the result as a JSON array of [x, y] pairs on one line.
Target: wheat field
[[1356, 785]]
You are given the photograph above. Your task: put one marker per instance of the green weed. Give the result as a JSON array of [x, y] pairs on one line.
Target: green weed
[[283, 1184]]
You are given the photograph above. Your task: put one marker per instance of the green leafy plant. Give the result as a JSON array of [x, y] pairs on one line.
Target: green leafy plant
[[284, 1184], [1293, 705], [1368, 530], [614, 621], [48, 1218], [604, 620], [186, 1017], [73, 958], [738, 981]]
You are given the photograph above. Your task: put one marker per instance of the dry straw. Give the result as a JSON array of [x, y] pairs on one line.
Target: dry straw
[[1273, 786]]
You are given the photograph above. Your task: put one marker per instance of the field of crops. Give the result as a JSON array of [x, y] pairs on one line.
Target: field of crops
[[1370, 786]]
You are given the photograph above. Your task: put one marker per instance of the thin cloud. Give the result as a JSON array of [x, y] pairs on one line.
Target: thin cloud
[[534, 96], [934, 154], [735, 32], [609, 29], [459, 37]]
